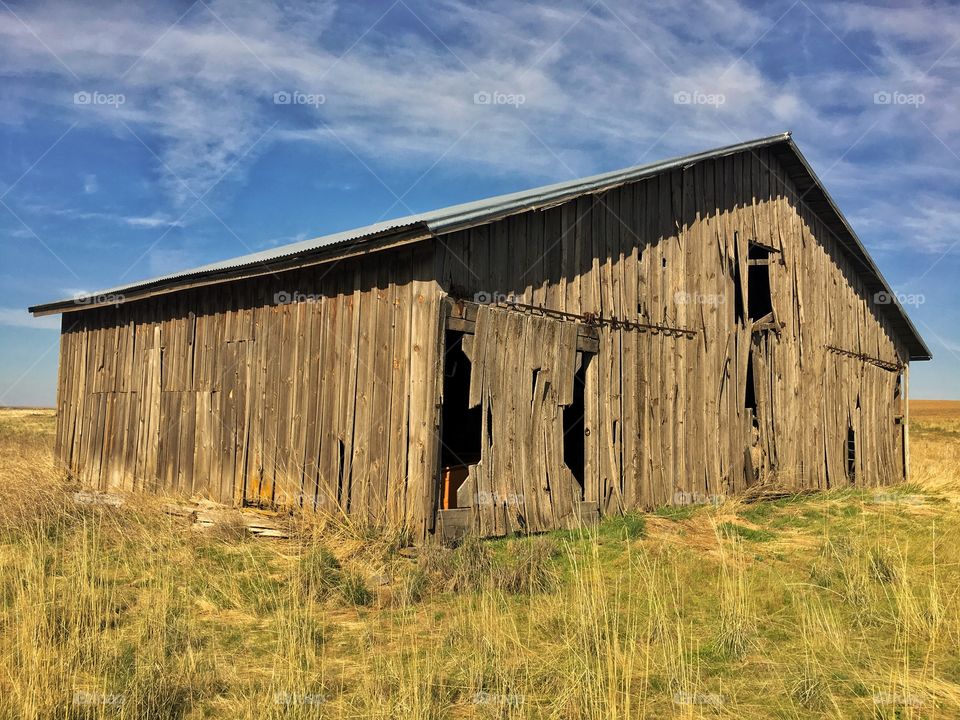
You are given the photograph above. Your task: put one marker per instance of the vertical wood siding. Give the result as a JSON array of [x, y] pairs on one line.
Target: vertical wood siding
[[670, 419], [331, 400], [314, 388]]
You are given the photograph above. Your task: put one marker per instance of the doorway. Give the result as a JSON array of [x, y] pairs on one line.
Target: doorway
[[460, 425]]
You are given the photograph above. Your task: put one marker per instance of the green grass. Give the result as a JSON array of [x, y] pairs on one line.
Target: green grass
[[631, 526], [732, 530], [677, 512]]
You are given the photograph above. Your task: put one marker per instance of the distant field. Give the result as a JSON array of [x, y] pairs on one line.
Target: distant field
[[841, 605], [923, 409]]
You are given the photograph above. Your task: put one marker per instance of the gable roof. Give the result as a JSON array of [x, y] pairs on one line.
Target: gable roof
[[423, 226]]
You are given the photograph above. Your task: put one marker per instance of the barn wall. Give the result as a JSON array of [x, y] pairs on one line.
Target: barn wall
[[670, 423], [315, 387], [330, 400]]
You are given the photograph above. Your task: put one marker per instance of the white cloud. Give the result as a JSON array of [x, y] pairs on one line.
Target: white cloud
[[19, 317], [90, 184], [202, 94], [149, 221], [598, 84]]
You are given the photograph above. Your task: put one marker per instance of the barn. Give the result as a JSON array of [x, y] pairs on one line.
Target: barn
[[669, 333]]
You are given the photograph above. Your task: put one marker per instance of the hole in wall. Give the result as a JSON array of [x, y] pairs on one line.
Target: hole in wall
[[851, 454], [341, 471], [574, 439], [750, 397], [460, 426]]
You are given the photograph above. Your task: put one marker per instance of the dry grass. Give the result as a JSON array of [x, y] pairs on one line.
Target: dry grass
[[839, 605]]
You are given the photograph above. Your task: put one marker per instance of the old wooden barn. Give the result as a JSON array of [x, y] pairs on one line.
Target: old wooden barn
[[662, 334]]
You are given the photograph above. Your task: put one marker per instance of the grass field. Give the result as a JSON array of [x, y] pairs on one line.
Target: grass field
[[838, 605]]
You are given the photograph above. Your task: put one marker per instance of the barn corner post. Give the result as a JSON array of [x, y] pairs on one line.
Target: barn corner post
[[906, 422], [60, 454], [433, 470]]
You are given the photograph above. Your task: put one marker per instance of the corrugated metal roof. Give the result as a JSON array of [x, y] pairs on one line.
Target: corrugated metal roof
[[478, 212]]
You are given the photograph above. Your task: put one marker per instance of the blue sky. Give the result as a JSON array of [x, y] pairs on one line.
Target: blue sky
[[137, 139]]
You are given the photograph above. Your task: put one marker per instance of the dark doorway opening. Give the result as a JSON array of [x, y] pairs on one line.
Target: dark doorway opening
[[759, 301], [574, 439], [851, 454], [460, 427]]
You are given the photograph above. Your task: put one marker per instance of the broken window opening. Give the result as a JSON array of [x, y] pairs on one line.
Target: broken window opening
[[759, 298], [460, 426], [574, 425], [851, 454]]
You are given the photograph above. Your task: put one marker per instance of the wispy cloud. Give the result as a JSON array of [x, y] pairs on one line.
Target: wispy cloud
[[19, 317], [155, 220]]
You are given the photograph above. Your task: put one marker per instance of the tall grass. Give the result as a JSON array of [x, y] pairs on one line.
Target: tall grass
[[840, 605]]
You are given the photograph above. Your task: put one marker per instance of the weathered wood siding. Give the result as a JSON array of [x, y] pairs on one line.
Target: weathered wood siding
[[668, 422], [315, 387], [331, 400], [522, 374]]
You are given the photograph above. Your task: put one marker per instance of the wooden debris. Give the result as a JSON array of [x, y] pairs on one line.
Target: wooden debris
[[206, 515]]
